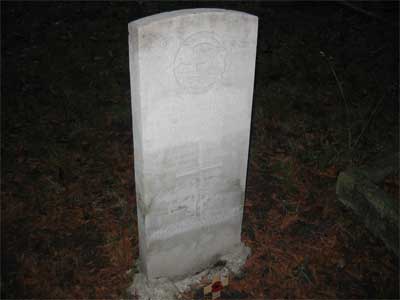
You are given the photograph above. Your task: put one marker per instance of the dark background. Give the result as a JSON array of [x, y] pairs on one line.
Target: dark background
[[68, 211]]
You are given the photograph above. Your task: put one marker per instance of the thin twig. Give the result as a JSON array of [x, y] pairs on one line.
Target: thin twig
[[363, 11], [347, 111], [369, 120], [368, 13]]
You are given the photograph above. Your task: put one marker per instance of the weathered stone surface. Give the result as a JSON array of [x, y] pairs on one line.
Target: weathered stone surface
[[192, 75], [355, 189], [382, 167]]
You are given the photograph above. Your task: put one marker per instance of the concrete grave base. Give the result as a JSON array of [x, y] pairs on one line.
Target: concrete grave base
[[164, 288]]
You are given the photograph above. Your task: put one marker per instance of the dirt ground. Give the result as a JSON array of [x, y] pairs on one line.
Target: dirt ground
[[326, 97]]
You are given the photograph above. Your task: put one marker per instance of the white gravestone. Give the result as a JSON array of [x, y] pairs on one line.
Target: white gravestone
[[192, 77]]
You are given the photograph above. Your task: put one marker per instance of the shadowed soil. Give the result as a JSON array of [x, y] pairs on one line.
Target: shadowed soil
[[326, 97]]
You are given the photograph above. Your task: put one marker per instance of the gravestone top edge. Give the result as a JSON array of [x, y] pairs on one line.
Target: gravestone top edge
[[184, 12]]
